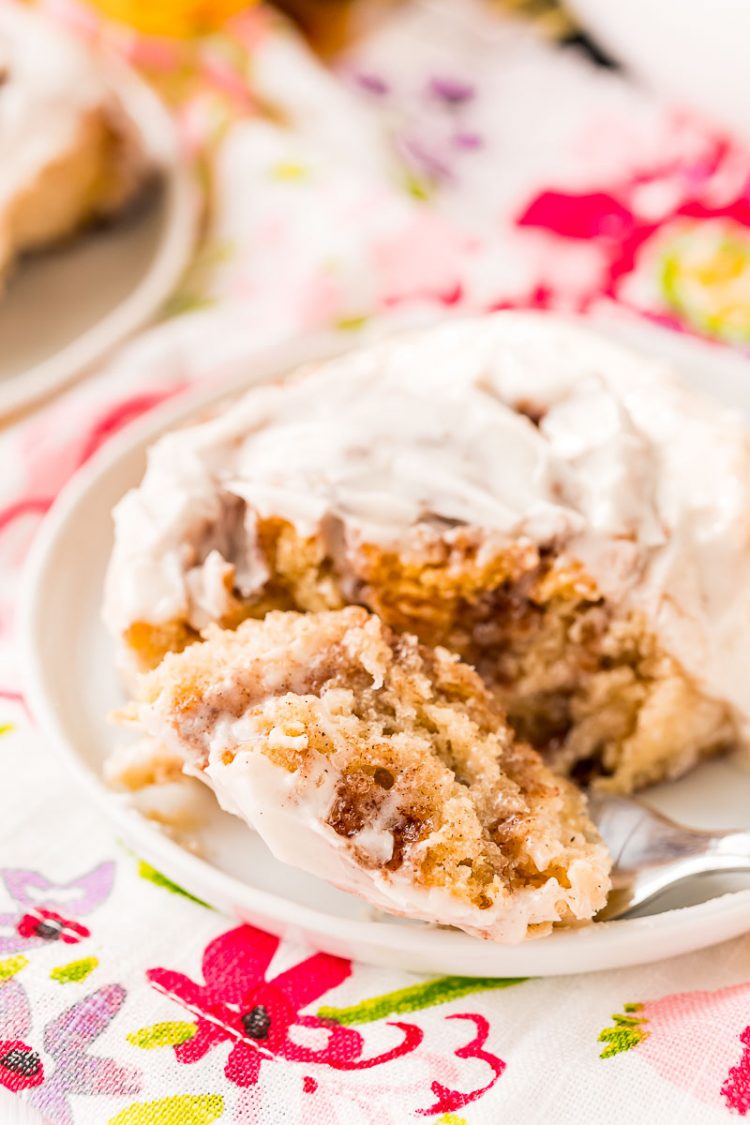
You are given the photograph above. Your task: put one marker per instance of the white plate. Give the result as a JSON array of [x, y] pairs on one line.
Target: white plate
[[71, 684], [65, 308]]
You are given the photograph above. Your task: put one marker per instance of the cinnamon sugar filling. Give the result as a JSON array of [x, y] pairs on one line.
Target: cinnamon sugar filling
[[593, 691]]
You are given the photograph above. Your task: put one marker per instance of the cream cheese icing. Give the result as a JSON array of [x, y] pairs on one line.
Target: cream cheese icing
[[523, 424], [294, 828], [289, 810]]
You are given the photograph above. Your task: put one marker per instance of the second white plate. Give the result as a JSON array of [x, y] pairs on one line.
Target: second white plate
[[72, 684], [65, 308]]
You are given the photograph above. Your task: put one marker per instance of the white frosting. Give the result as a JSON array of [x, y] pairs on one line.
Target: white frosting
[[643, 480], [289, 811], [294, 829], [47, 81]]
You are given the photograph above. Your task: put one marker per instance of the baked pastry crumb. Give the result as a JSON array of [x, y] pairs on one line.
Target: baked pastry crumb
[[382, 765], [590, 688]]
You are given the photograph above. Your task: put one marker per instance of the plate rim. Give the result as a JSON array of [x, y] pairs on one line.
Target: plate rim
[[158, 131], [681, 929]]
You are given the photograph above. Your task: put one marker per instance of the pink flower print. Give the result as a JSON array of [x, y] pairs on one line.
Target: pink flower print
[[15, 1013], [119, 415], [421, 260], [258, 1017], [79, 896], [695, 1039], [51, 450], [371, 83], [698, 1041], [68, 1039], [452, 91], [20, 1065], [450, 1100], [468, 140], [47, 910], [424, 159], [398, 1092], [385, 1097]]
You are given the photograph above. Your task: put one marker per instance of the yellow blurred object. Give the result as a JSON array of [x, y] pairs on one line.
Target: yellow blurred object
[[548, 16], [173, 18]]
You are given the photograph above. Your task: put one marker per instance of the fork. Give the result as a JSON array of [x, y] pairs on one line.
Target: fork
[[651, 853]]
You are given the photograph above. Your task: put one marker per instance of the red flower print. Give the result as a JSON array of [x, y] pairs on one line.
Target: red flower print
[[592, 215], [119, 415], [20, 1066], [673, 241], [50, 926], [450, 1100], [258, 1017], [736, 1088]]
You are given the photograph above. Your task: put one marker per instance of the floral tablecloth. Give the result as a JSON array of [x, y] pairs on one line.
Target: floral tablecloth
[[451, 163]]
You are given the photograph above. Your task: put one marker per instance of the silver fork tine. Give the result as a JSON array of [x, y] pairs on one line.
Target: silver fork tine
[[651, 853]]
